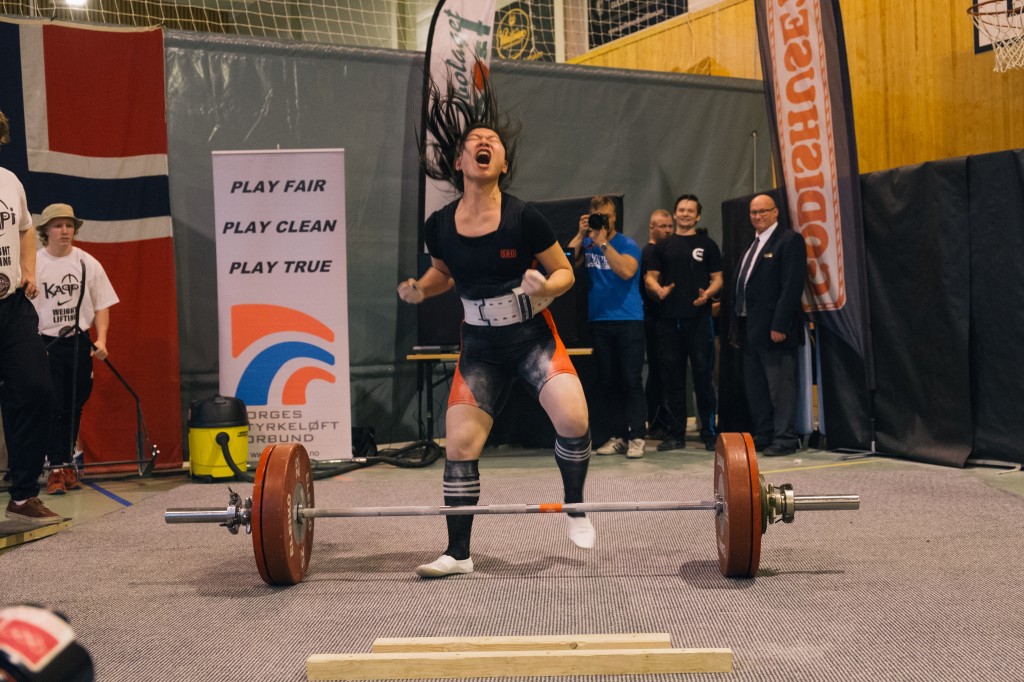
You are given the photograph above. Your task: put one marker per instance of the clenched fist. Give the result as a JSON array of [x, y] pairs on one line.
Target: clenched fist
[[410, 292], [534, 283]]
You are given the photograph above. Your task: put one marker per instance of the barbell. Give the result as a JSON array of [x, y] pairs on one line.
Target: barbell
[[280, 514]]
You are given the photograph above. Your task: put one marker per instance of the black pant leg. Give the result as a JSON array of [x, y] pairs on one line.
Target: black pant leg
[[609, 369], [27, 394], [759, 400], [632, 361], [71, 373], [701, 345], [652, 390], [781, 370], [672, 359]]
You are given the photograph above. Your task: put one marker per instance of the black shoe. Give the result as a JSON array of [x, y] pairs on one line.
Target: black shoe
[[671, 444], [778, 450], [656, 432], [709, 444]]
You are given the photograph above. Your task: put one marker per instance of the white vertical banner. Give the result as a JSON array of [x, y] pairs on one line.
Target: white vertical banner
[[282, 295]]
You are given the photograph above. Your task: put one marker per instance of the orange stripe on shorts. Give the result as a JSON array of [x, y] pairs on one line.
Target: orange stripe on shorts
[[461, 394], [560, 361]]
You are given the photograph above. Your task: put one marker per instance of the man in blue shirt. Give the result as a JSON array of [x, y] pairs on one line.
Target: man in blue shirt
[[616, 316]]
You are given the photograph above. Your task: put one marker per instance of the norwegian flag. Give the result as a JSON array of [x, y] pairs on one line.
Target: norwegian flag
[[86, 108]]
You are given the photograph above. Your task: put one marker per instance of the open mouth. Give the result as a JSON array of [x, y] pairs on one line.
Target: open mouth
[[483, 157]]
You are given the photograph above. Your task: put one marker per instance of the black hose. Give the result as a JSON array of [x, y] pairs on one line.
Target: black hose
[[404, 457], [413, 456], [222, 440]]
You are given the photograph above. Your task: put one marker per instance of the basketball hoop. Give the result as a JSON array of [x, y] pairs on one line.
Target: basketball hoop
[[1002, 22]]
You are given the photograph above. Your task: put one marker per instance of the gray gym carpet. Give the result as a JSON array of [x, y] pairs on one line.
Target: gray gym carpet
[[923, 583]]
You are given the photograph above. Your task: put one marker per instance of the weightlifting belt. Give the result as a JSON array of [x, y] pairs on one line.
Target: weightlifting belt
[[502, 311]]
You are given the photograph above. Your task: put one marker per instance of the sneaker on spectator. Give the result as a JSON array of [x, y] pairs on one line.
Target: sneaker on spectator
[[32, 511], [614, 446], [71, 481], [55, 482], [636, 448]]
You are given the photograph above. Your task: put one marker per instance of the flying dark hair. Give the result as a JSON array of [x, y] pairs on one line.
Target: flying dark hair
[[450, 118], [5, 129]]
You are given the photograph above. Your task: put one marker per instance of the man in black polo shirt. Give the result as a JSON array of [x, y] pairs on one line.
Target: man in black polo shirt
[[684, 275]]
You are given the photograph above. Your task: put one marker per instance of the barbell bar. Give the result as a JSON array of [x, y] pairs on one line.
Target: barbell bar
[[280, 514]]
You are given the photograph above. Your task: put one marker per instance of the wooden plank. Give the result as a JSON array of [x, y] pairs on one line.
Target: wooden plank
[[641, 640], [459, 664], [35, 533]]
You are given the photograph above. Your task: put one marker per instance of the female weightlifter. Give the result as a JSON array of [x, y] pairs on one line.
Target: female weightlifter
[[487, 244]]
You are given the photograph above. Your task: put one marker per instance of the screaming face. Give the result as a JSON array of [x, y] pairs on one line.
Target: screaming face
[[483, 156]]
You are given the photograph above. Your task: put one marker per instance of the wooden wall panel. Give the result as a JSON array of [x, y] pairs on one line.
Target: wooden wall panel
[[689, 43], [919, 91]]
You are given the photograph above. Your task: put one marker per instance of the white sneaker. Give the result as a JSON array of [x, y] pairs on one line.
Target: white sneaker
[[445, 565], [636, 448], [581, 532], [614, 446]]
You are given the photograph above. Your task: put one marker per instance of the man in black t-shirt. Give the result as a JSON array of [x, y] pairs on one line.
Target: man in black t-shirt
[[685, 274], [660, 227]]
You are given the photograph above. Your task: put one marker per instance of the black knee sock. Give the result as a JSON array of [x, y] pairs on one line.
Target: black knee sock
[[573, 457], [461, 488]]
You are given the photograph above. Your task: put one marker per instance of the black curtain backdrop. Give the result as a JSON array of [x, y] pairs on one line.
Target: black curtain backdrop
[[917, 232], [844, 400], [996, 189], [945, 283]]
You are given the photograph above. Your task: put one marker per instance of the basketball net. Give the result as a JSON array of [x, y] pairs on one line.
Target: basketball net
[[1005, 30]]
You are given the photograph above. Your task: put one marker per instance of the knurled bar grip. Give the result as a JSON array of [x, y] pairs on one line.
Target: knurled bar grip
[[802, 502], [543, 508]]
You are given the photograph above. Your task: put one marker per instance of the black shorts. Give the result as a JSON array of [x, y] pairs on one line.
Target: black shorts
[[492, 357]]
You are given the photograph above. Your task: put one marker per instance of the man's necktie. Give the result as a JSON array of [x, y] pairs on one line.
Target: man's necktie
[[741, 282]]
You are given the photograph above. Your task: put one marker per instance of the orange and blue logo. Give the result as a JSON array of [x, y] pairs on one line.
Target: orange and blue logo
[[253, 322]]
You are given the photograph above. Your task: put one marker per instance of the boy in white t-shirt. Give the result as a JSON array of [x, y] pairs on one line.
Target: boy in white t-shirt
[[74, 293]]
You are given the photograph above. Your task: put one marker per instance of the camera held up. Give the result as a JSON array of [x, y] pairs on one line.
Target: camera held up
[[597, 221]]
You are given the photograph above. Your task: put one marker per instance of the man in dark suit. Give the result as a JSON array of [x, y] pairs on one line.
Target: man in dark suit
[[769, 326]]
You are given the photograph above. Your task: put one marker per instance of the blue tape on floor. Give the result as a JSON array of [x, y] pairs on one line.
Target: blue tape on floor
[[102, 491]]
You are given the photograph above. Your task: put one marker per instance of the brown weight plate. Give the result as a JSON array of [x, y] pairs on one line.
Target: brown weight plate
[[281, 541], [757, 511], [733, 525]]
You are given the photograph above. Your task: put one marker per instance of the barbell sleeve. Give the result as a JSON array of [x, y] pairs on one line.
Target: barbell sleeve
[[827, 502]]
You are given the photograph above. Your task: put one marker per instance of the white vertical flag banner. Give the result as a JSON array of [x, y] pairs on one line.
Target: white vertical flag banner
[[282, 294]]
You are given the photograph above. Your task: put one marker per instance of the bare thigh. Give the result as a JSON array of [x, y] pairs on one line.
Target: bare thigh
[[467, 428], [563, 399]]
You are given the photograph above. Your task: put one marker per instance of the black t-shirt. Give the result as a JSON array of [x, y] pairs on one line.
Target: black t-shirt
[[650, 300], [492, 264], [688, 263]]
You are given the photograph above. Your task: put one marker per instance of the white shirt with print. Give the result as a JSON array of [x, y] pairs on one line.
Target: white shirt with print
[[59, 281]]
